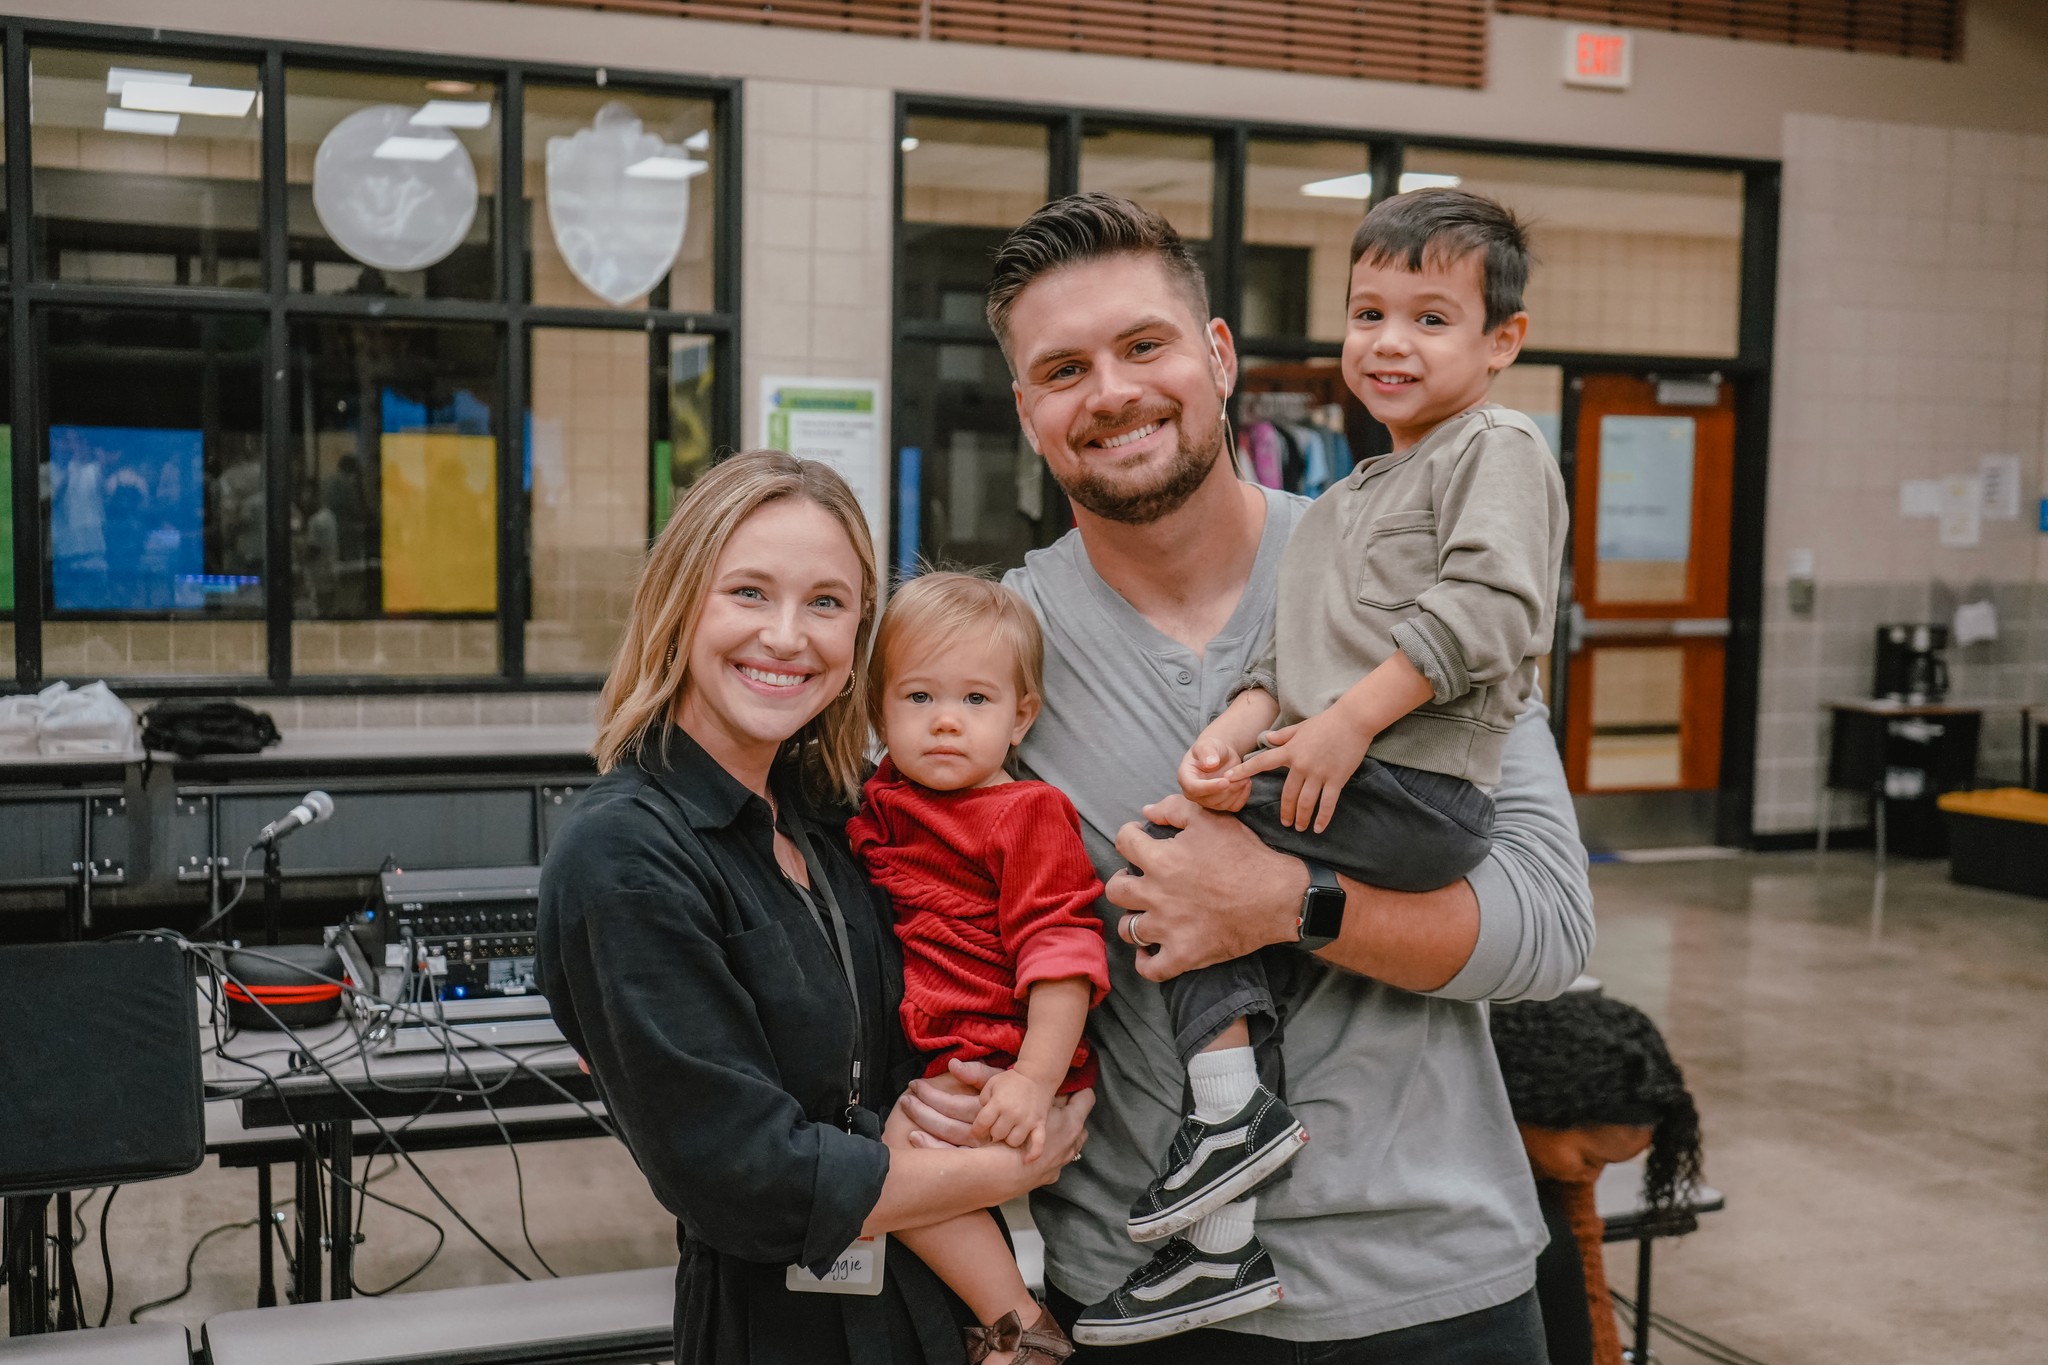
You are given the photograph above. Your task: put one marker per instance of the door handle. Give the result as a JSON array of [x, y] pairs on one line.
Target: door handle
[[1678, 627]]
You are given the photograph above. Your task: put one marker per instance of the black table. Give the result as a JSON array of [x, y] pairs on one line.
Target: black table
[[309, 1099], [1619, 1198]]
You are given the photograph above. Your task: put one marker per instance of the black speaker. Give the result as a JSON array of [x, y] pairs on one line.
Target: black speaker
[[99, 1066]]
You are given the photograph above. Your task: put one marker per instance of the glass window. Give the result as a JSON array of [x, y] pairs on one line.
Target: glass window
[[1638, 716], [390, 184], [620, 198], [966, 184], [394, 497], [683, 449], [1302, 202], [982, 497], [1643, 260], [1298, 427], [589, 455], [6, 506], [147, 169], [155, 494], [1173, 174]]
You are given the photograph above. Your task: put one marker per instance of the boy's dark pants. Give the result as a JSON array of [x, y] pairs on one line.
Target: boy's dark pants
[[1400, 828]]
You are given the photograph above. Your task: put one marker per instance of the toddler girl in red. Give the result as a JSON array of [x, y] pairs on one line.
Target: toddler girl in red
[[1002, 951]]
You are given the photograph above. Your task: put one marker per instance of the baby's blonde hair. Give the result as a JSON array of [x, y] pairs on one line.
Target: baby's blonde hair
[[943, 608]]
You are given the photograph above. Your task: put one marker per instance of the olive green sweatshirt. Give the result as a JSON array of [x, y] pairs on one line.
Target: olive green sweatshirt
[[1448, 551]]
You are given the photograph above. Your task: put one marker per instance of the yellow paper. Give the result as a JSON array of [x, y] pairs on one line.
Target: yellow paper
[[440, 499]]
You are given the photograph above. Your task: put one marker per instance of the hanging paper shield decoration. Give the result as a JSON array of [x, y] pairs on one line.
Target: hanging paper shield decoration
[[391, 193], [618, 198]]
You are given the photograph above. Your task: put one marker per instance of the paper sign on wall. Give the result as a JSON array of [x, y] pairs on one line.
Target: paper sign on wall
[[1920, 498], [833, 421], [2001, 476], [1962, 510]]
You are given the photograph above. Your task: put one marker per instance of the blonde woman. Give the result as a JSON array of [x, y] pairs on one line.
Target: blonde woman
[[710, 948]]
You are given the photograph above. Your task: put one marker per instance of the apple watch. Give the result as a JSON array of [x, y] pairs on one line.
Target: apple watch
[[1322, 909]]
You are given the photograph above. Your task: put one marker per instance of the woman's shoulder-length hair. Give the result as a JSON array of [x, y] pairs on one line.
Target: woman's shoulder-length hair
[[652, 664]]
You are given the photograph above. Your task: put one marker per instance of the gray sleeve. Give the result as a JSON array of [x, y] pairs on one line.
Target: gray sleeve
[[1498, 517], [1262, 674], [1535, 904]]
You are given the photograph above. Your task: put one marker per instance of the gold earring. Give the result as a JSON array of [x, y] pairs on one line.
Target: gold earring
[[669, 662]]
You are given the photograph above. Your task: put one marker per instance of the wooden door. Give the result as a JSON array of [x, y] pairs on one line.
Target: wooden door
[[1653, 499]]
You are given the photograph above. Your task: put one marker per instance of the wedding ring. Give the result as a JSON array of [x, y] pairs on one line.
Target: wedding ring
[[1131, 929]]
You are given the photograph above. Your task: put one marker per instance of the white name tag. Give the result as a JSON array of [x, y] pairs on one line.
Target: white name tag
[[856, 1270]]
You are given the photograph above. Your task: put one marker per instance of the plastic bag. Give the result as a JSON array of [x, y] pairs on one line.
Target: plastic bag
[[88, 720], [21, 716]]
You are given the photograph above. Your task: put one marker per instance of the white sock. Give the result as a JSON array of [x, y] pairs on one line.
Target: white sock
[[1223, 1082], [1227, 1229]]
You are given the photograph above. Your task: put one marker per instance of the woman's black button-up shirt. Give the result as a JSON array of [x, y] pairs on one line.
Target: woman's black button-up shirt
[[711, 1007]]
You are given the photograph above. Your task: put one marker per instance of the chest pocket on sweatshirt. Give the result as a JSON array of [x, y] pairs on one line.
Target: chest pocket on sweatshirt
[[1399, 560]]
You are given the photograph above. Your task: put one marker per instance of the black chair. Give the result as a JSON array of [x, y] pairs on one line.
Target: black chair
[[99, 1085]]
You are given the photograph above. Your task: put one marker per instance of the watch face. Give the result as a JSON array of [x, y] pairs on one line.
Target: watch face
[[1323, 912]]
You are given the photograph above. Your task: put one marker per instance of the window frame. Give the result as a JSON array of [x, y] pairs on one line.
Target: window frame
[[27, 296]]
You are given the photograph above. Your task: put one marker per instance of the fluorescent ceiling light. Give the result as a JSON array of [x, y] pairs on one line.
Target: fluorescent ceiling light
[[214, 101], [699, 141], [401, 148], [131, 121], [119, 76], [1423, 180], [453, 114], [667, 168], [452, 87], [1341, 187], [909, 144]]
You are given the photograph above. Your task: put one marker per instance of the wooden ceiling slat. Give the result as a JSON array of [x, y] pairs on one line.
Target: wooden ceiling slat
[[1912, 28], [1429, 42]]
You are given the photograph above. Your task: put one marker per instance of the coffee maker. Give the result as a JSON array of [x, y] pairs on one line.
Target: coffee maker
[[1909, 664]]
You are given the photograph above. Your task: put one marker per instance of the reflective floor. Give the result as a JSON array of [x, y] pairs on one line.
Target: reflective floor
[[1873, 1079]]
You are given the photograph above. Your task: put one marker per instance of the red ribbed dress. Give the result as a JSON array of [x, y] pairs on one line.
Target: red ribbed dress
[[993, 892]]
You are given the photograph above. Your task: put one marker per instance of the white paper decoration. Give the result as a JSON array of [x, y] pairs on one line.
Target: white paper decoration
[[618, 199], [391, 193]]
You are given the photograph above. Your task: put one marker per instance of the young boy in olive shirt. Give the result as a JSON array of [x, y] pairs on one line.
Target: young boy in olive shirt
[[1415, 597]]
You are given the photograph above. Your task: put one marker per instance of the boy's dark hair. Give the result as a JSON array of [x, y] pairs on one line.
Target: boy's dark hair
[[1445, 225], [1088, 227]]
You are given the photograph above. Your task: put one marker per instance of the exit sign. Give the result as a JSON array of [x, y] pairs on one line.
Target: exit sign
[[1600, 57]]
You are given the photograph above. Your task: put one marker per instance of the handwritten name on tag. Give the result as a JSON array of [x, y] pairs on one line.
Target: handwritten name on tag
[[856, 1270]]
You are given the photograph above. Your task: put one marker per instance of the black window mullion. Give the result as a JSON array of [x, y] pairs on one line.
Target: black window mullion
[[1389, 157], [29, 576], [514, 514], [1063, 166], [1226, 282], [277, 388]]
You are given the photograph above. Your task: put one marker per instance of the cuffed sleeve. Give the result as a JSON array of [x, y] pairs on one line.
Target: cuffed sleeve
[[1434, 652], [1500, 513], [1263, 675], [1535, 903], [1046, 891], [679, 1046]]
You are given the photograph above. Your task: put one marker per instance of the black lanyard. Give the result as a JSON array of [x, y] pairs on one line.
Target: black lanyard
[[823, 884]]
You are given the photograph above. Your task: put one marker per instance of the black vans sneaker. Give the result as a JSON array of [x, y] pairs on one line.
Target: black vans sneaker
[[1181, 1288], [1213, 1164]]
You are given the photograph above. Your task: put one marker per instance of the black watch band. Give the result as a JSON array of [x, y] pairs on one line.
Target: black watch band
[[1321, 918]]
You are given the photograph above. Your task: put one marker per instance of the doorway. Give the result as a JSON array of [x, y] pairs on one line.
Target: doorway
[[1646, 631]]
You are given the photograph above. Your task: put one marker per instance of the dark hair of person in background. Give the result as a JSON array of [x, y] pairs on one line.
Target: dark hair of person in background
[[1584, 1060], [1446, 225], [1089, 227]]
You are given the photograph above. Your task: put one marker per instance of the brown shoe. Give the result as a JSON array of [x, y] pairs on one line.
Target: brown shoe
[[1042, 1341]]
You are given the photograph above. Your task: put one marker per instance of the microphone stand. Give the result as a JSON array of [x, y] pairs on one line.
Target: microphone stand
[[273, 894]]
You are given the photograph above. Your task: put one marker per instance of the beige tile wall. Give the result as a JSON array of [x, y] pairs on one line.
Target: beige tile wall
[[420, 648], [816, 251], [1912, 340], [590, 473], [1641, 293], [153, 649]]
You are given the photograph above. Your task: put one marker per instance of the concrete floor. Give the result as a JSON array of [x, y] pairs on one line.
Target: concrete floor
[[1873, 1076]]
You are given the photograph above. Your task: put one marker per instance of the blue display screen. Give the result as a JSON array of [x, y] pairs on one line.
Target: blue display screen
[[127, 519]]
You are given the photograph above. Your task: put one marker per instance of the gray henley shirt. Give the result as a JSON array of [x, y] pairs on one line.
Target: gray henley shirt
[[1413, 1202]]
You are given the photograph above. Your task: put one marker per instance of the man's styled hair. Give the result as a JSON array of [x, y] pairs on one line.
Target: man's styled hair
[[1442, 226], [942, 609], [1088, 227]]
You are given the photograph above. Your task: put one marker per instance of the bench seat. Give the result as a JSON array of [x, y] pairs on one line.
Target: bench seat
[[147, 1343], [624, 1316]]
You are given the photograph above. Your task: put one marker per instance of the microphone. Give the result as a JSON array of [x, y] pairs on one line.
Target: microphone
[[315, 807]]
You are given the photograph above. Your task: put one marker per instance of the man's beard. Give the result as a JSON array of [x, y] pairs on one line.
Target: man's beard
[[1121, 498]]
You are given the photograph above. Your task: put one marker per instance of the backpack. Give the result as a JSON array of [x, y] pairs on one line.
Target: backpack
[[192, 726]]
